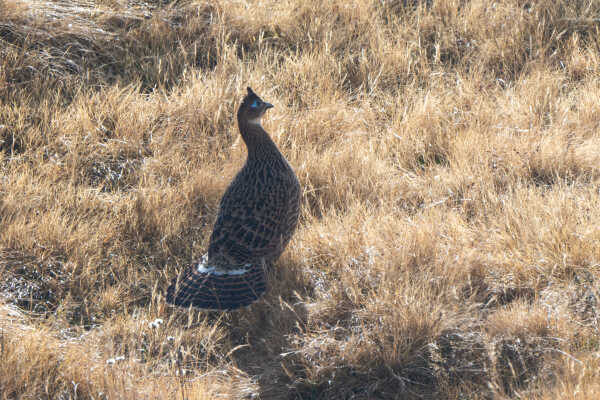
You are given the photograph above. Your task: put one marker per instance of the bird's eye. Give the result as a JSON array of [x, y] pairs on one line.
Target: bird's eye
[[254, 104]]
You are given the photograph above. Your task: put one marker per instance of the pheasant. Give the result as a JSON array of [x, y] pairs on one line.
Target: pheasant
[[257, 217]]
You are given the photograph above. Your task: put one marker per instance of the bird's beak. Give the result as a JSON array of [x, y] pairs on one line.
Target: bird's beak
[[268, 105]]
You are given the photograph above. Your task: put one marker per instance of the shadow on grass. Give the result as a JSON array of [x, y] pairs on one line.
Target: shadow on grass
[[288, 357], [264, 330]]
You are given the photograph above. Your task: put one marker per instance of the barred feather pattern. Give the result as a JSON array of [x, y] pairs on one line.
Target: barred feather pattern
[[257, 217]]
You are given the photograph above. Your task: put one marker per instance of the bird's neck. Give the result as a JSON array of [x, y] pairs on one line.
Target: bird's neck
[[258, 141]]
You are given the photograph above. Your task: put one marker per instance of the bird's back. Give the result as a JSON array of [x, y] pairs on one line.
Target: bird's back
[[258, 213]]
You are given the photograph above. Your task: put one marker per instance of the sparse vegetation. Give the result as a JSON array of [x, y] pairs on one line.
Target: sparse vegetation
[[449, 243]]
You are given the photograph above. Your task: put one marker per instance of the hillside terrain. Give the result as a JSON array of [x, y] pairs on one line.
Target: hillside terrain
[[449, 240]]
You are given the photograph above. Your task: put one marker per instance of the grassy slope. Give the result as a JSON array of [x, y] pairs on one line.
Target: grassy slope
[[449, 151]]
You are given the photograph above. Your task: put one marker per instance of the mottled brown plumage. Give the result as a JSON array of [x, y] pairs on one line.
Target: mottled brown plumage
[[257, 217]]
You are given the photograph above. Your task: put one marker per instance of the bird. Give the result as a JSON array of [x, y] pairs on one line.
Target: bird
[[257, 217]]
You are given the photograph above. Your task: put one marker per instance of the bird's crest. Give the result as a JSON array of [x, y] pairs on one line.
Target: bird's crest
[[250, 98]]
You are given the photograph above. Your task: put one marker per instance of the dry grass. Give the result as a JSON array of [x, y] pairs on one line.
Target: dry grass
[[449, 244]]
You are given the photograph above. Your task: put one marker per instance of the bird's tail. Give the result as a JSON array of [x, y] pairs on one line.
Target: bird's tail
[[218, 289]]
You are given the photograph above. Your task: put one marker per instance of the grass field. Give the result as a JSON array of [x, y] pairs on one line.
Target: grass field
[[449, 241]]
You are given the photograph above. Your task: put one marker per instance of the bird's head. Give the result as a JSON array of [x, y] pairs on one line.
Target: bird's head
[[253, 108]]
